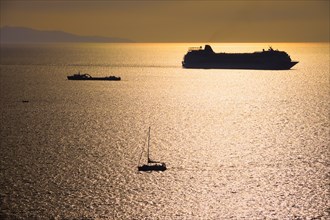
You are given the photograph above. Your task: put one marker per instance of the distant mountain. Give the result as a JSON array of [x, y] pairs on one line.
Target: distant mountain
[[28, 35]]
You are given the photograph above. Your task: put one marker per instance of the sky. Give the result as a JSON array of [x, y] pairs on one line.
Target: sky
[[176, 21]]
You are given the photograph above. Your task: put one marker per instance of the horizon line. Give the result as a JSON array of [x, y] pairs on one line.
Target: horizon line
[[134, 41]]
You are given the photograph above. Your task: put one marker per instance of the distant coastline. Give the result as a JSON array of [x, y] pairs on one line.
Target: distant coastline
[[10, 34], [24, 35]]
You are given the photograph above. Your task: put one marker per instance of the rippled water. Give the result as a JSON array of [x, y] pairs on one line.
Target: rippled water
[[240, 144]]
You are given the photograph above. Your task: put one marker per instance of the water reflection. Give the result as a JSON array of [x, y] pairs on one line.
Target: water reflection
[[237, 143]]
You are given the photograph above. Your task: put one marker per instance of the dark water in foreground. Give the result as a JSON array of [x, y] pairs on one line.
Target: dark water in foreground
[[239, 144]]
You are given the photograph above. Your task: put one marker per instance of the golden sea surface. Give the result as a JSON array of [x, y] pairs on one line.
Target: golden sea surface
[[238, 144]]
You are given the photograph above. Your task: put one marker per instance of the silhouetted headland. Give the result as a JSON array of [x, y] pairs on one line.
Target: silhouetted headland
[[28, 35], [265, 60]]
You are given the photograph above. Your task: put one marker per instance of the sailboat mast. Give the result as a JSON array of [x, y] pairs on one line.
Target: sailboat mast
[[148, 143]]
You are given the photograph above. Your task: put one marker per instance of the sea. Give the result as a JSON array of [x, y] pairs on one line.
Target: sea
[[238, 144]]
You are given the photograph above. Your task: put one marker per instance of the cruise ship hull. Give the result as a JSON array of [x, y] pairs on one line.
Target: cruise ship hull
[[256, 66]]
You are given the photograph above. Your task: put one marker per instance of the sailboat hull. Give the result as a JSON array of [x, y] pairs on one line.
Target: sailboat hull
[[152, 167]]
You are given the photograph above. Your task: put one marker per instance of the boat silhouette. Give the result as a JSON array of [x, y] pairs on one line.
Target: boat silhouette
[[86, 76], [198, 58], [151, 164]]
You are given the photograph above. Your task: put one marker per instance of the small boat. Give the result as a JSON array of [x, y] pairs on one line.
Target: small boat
[[86, 76], [151, 165]]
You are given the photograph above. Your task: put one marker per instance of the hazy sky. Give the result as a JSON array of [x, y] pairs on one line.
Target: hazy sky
[[176, 21]]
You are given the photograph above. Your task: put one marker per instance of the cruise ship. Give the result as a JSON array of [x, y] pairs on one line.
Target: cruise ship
[[199, 58]]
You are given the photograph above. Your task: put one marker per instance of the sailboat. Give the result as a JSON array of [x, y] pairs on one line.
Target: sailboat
[[151, 165]]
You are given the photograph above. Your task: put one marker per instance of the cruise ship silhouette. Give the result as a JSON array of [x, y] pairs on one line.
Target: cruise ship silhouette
[[199, 58]]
